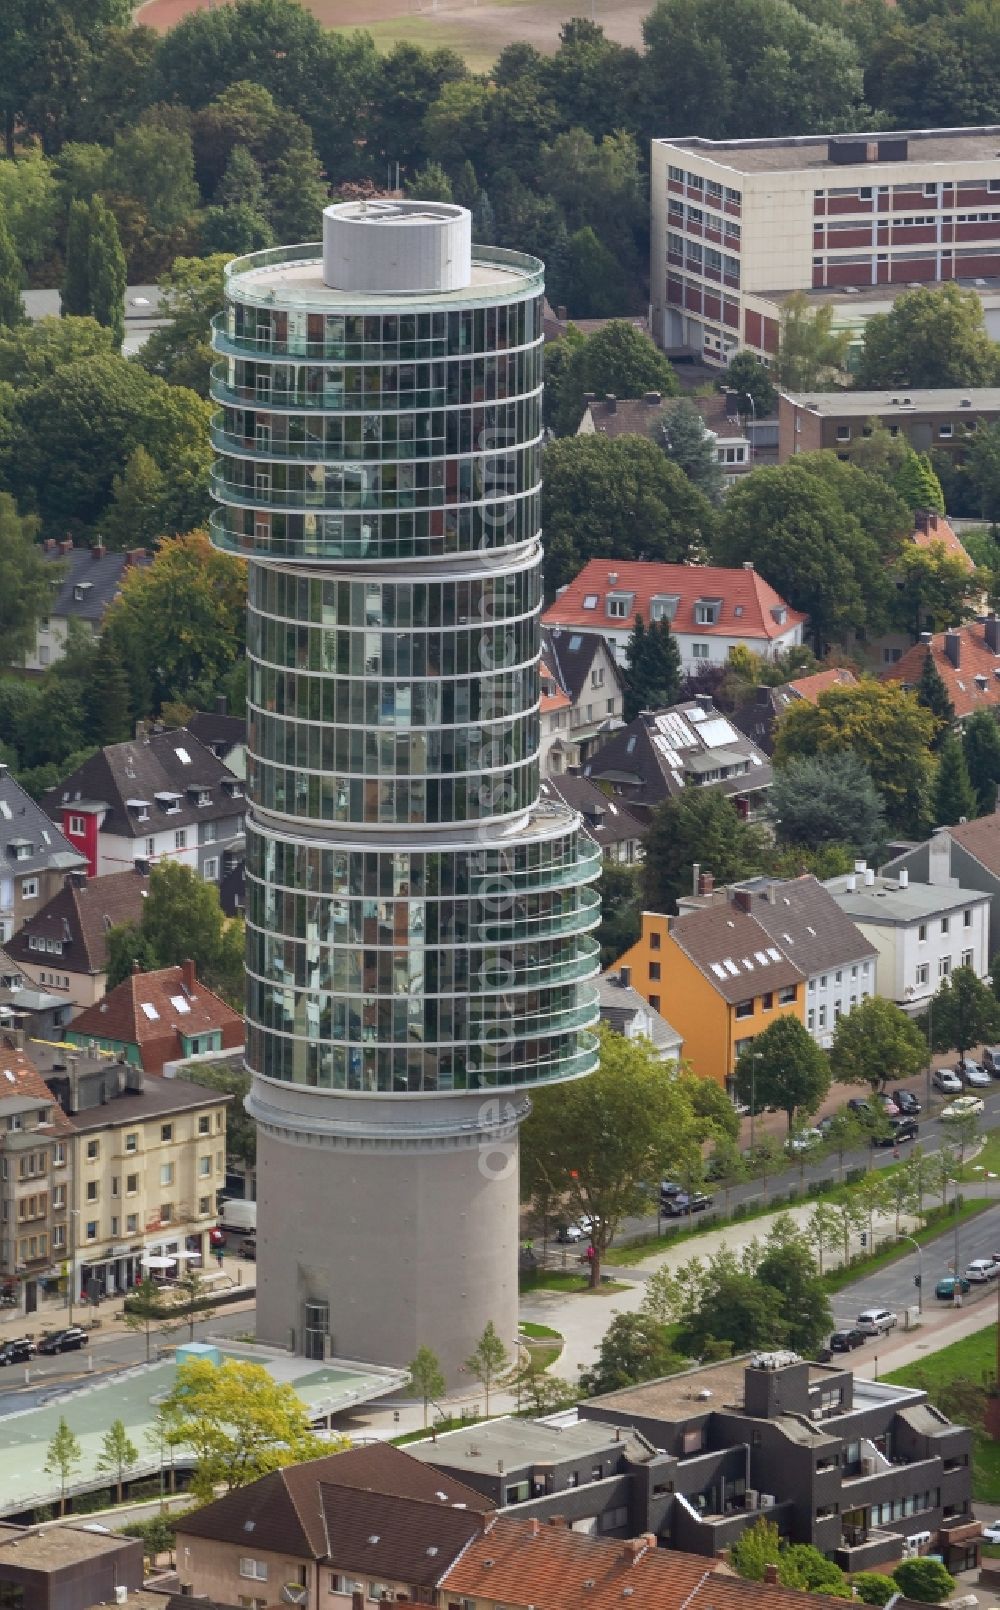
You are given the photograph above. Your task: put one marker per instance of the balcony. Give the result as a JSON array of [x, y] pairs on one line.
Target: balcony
[[960, 1530], [863, 1548]]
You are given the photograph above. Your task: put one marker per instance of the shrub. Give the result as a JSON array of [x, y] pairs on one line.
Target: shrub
[[925, 1580], [873, 1588]]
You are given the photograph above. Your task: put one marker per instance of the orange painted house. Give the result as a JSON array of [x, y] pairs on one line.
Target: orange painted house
[[716, 975]]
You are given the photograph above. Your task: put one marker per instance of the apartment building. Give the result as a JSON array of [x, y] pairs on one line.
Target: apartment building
[[68, 1567], [921, 931], [162, 796], [850, 219], [966, 854], [690, 745], [946, 420], [35, 1174], [63, 948], [34, 856], [711, 609]]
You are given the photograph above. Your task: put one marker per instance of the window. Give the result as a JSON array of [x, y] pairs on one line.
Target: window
[[945, 432], [91, 1230], [204, 1167], [210, 871], [76, 824], [923, 973], [590, 602], [116, 1185], [597, 677], [150, 846], [377, 1591], [922, 932], [699, 651], [59, 1154], [744, 1008], [204, 1124], [166, 1212], [166, 1174], [166, 1131], [967, 958], [132, 1143], [58, 1197], [654, 971], [664, 608], [767, 1001], [617, 608], [58, 1235], [257, 1569], [654, 1001], [180, 838], [204, 1206], [967, 919], [944, 967], [131, 1184], [787, 996], [91, 1190], [93, 1150], [29, 888], [343, 1584], [517, 1492], [843, 433], [132, 1224], [707, 611], [946, 925]]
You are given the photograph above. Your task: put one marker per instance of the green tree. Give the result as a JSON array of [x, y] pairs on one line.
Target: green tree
[[33, 352], [118, 1454], [63, 1457], [757, 1547], [885, 726], [129, 951], [106, 273], [180, 351], [488, 1360], [751, 380], [688, 444], [981, 743], [426, 1377], [11, 279], [430, 183], [982, 468], [105, 698], [934, 589], [75, 290], [932, 337], [803, 1566], [699, 824], [871, 1587], [876, 451], [917, 484], [183, 618], [618, 360], [783, 1068], [239, 1423], [726, 1166], [828, 800], [964, 1013], [932, 693], [789, 1270], [634, 1348], [620, 495], [191, 1297], [954, 796], [181, 917], [153, 162], [234, 231], [712, 1111], [619, 888], [925, 1580], [145, 1310], [594, 282], [596, 1143], [134, 515], [876, 1044], [811, 351], [653, 673], [25, 582]]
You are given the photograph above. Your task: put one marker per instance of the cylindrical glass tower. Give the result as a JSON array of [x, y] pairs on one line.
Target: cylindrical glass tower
[[418, 925]]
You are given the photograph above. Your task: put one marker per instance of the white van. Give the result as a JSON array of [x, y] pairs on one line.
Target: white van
[[238, 1215]]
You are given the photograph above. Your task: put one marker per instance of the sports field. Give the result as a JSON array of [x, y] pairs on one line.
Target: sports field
[[477, 29]]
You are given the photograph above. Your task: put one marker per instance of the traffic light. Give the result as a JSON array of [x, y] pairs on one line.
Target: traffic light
[[918, 1281], [864, 1238]]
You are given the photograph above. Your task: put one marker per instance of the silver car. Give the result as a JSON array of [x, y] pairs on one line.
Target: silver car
[[973, 1074]]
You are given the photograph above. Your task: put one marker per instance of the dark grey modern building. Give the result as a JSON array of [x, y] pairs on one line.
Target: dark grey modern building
[[418, 922], [865, 1471]]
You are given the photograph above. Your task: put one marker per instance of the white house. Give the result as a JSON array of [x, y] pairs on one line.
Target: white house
[[922, 931]]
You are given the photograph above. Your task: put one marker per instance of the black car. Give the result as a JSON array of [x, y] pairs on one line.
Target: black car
[[68, 1340], [17, 1351], [844, 1341], [859, 1106], [677, 1207], [900, 1129], [907, 1103], [248, 1248]]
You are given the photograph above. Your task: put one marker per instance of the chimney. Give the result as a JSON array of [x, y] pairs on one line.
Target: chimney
[[557, 1520], [188, 975], [939, 858], [635, 1547], [869, 877], [66, 546], [222, 705], [590, 397], [742, 899], [991, 628], [76, 880], [51, 545], [921, 518], [771, 1575], [706, 883], [98, 550], [851, 886], [696, 876], [611, 403], [772, 893], [704, 700], [653, 398], [748, 564], [536, 1526], [927, 638], [141, 866], [904, 878], [561, 313], [861, 866], [73, 1082], [953, 648]]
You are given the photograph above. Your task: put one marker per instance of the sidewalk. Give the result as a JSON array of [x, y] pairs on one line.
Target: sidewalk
[[106, 1317]]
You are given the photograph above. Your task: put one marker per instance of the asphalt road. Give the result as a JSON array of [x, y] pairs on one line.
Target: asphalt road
[[893, 1286]]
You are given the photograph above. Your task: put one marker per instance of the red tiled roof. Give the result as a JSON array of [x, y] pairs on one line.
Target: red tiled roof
[[975, 659], [810, 687], [20, 1077], [524, 1562], [931, 528], [552, 701], [79, 916], [121, 1016], [748, 601]]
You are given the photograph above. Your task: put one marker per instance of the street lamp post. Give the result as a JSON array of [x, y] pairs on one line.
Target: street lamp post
[[73, 1215], [920, 1270], [754, 1059]]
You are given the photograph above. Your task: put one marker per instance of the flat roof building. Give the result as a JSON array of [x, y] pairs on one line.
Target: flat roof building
[[737, 225]]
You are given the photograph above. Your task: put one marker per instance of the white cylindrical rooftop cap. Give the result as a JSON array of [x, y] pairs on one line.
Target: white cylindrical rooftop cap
[[393, 247]]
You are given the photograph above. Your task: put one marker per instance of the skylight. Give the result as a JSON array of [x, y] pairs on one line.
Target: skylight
[[183, 756], [730, 967], [775, 955], [590, 602], [150, 1010], [179, 1004], [719, 971]]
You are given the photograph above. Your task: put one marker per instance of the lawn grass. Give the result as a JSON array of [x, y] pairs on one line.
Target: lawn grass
[[973, 1358], [567, 1280], [528, 1327]]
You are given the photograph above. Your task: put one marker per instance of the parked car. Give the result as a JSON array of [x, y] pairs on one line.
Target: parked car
[[991, 1533], [17, 1351], [888, 1105], [67, 1340], [842, 1341], [945, 1288], [248, 1248], [944, 1079], [962, 1106], [824, 1125], [972, 1074], [805, 1140], [991, 1062], [900, 1129], [907, 1103], [982, 1269], [669, 1188], [858, 1105], [875, 1321], [677, 1206], [569, 1234]]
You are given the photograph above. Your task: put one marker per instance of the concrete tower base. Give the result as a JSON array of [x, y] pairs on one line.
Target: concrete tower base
[[409, 1239]]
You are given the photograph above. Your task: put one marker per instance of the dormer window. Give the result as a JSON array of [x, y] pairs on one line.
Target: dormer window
[[618, 605], [707, 611], [81, 590], [168, 802], [201, 796], [233, 787], [663, 607], [21, 849], [779, 614], [140, 809]]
